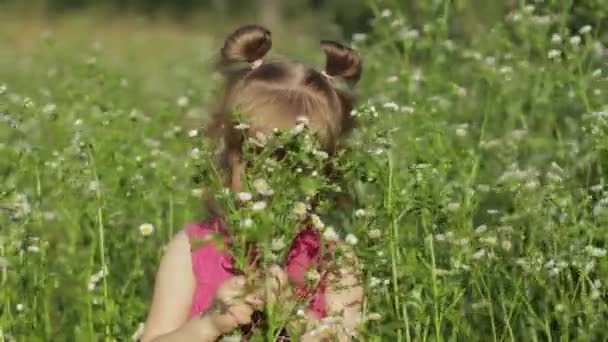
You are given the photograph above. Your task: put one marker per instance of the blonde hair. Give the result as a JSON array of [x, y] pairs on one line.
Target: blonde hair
[[275, 94]]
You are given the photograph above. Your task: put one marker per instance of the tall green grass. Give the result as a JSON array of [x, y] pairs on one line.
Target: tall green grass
[[484, 195]]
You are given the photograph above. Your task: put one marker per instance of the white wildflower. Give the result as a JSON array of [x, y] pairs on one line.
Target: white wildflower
[[374, 233], [590, 266], [49, 108], [479, 254], [259, 206], [392, 79], [195, 153], [33, 249], [506, 245], [595, 251], [183, 101], [277, 244], [247, 223], [554, 54], [197, 192], [360, 212], [28, 103], [146, 229], [575, 40], [244, 196], [585, 29], [373, 281], [330, 234], [261, 186], [193, 133], [19, 307], [3, 89], [391, 105], [386, 13], [556, 38], [351, 239], [480, 229], [461, 131], [78, 122], [489, 240], [359, 37], [316, 221], [322, 155], [299, 209]]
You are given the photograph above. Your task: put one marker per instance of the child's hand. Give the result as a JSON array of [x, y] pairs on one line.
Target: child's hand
[[232, 305]]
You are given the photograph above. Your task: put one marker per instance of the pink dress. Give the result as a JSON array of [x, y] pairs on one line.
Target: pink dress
[[211, 266]]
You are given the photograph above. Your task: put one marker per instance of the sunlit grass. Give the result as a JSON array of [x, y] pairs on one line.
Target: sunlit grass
[[482, 183]]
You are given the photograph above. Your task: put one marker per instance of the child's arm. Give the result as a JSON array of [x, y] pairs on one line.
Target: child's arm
[[175, 284], [173, 290]]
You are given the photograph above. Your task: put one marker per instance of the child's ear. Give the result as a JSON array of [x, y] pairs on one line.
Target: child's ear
[[342, 61], [247, 44]]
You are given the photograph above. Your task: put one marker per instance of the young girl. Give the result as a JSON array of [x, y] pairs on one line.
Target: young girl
[[198, 296]]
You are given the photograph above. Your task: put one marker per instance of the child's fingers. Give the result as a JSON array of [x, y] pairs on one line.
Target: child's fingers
[[254, 300], [241, 313]]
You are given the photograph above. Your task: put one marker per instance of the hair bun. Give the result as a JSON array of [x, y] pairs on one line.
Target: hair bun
[[342, 61], [246, 44]]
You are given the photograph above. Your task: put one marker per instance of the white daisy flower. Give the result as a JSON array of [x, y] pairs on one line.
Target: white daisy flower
[[49, 108], [244, 196], [374, 233], [19, 307], [258, 206], [479, 254], [33, 249], [360, 212], [575, 40], [277, 244], [299, 209], [553, 54], [330, 234], [247, 223], [351, 239], [193, 133], [316, 221], [195, 153], [196, 192], [146, 229], [261, 186], [322, 155], [585, 29], [183, 101]]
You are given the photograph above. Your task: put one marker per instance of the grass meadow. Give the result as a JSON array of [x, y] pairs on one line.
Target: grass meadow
[[481, 194]]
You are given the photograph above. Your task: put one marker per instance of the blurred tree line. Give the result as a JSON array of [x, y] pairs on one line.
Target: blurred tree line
[[350, 15], [467, 17]]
